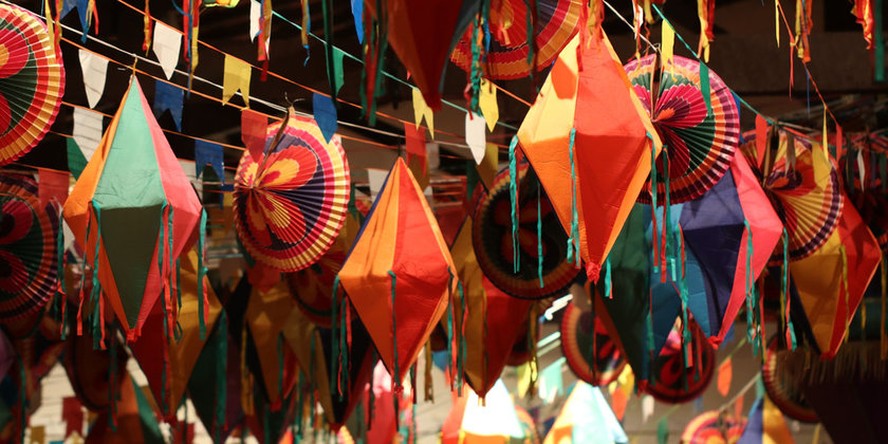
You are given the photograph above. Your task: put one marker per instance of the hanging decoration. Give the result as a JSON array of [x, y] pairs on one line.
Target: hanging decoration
[[700, 128], [400, 233], [28, 248], [496, 254], [488, 320], [132, 241], [509, 54], [588, 131], [32, 82], [590, 351], [290, 204]]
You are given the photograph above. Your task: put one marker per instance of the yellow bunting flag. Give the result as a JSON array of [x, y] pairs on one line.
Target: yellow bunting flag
[[667, 42], [422, 111], [237, 77], [487, 102]]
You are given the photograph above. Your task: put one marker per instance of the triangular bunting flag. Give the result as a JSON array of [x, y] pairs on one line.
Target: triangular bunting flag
[[169, 97]]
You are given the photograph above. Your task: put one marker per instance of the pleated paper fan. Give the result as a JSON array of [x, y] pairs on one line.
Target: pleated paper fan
[[291, 203], [803, 187], [32, 82], [27, 248], [700, 143], [557, 22]]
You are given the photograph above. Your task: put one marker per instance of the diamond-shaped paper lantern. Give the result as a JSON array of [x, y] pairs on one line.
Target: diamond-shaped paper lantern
[[399, 273], [131, 198]]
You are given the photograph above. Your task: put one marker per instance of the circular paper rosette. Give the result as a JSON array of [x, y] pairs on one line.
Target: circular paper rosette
[[713, 427], [584, 345], [673, 382], [698, 143], [290, 205], [803, 186], [32, 82], [492, 239], [783, 386], [28, 259], [507, 57]]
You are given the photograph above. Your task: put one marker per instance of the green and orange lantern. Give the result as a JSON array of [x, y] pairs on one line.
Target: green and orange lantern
[[133, 239]]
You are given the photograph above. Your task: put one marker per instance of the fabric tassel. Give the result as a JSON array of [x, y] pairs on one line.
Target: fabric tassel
[[23, 400], [451, 347], [171, 263], [61, 300], [201, 273], [473, 88], [608, 287], [513, 199], [429, 393], [790, 330], [649, 318], [298, 419], [246, 380], [95, 295], [335, 367], [539, 237], [654, 191], [573, 239], [221, 377], [343, 348], [328, 12], [146, 31], [668, 246], [683, 296], [306, 29], [397, 370]]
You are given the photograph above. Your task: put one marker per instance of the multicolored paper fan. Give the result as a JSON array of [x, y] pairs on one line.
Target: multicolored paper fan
[[492, 237], [674, 382], [507, 56], [581, 348], [713, 427], [28, 259], [804, 189], [783, 388], [699, 142], [32, 82], [290, 204]]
